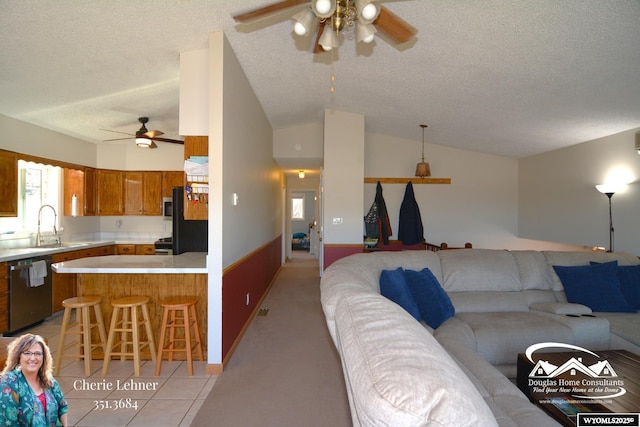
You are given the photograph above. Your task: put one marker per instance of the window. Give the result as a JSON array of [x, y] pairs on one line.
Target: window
[[38, 185], [297, 207]]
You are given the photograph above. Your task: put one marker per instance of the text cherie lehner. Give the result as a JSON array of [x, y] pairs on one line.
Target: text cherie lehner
[[129, 385]]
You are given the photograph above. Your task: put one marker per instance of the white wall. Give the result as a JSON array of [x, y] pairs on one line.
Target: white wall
[[558, 200], [479, 206], [240, 161], [26, 138], [343, 176]]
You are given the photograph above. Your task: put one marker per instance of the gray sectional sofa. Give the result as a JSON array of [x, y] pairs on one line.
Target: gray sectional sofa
[[401, 372]]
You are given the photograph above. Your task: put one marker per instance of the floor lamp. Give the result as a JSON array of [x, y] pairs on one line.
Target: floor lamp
[[609, 190]]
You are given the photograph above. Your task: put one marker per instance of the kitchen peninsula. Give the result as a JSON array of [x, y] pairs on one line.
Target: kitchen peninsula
[[155, 276]]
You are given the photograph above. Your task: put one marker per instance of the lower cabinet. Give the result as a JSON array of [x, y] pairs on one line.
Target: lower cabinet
[[63, 285], [131, 249], [4, 298]]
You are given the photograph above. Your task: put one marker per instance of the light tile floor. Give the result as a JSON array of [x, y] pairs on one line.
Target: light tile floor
[[171, 399]]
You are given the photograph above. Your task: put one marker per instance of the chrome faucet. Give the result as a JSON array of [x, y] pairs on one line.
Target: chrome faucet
[[39, 239]]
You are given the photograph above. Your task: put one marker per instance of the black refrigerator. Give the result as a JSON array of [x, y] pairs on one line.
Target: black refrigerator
[[188, 236]]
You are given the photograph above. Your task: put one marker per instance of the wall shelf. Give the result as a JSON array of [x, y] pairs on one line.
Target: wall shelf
[[414, 180]]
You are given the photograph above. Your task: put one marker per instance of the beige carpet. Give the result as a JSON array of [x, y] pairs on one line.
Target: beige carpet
[[285, 371]]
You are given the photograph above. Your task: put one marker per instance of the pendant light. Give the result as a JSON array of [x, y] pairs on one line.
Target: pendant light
[[423, 169]]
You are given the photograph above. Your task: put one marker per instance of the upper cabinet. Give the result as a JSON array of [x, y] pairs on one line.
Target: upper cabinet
[[89, 191], [171, 179], [9, 187], [143, 193], [109, 191]]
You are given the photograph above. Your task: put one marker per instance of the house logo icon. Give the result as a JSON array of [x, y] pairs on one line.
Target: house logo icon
[[544, 369], [589, 381]]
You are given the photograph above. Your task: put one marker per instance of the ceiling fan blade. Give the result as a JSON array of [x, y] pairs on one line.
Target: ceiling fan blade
[[153, 133], [116, 131], [316, 43], [243, 18], [174, 141], [118, 139], [153, 145], [394, 26]]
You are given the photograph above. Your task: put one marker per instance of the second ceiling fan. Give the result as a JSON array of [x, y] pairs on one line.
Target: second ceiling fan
[[328, 18], [145, 138]]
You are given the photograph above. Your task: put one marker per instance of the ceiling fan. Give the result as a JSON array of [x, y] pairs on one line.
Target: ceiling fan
[[144, 138], [328, 18]]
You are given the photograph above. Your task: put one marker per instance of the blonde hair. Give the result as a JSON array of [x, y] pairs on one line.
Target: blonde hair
[[20, 345]]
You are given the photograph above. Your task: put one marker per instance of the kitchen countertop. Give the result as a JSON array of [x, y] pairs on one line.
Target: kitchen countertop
[[10, 254], [187, 263]]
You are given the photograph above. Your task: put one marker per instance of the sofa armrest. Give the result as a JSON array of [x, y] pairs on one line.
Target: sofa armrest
[[401, 378], [560, 308]]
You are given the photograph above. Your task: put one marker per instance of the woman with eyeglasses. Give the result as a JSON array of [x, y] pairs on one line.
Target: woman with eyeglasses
[[29, 395]]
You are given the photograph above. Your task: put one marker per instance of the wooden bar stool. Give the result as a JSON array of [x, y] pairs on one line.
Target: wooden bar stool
[[129, 324], [82, 327], [188, 322]]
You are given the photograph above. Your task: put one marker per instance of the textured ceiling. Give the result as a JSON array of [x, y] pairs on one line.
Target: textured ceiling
[[512, 78]]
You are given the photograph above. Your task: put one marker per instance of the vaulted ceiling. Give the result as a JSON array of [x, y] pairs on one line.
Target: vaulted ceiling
[[506, 77]]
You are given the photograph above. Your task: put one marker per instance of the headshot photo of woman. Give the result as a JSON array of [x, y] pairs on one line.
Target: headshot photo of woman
[[29, 395]]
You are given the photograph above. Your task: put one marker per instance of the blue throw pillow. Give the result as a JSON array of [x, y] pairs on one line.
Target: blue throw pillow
[[629, 277], [596, 286], [433, 302], [394, 286]]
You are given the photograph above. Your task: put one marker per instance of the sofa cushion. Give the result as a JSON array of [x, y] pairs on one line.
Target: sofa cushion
[[484, 302], [533, 269], [479, 270], [560, 308], [433, 302], [394, 286], [500, 336], [596, 286]]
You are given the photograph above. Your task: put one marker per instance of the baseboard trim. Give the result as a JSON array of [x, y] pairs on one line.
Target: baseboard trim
[[213, 369]]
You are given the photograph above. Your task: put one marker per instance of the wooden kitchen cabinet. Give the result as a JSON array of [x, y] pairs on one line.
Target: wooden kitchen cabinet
[[195, 146], [4, 298], [142, 193], [130, 249], [97, 251], [145, 249], [171, 179], [152, 193], [125, 249], [63, 286], [9, 180], [81, 183], [73, 186], [89, 191], [109, 190]]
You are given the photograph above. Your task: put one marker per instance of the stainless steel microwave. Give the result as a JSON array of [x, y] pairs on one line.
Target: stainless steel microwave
[[167, 208]]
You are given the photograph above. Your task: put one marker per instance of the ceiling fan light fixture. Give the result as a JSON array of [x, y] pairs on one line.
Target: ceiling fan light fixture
[[365, 32], [368, 11], [143, 142], [323, 8], [304, 22], [329, 39]]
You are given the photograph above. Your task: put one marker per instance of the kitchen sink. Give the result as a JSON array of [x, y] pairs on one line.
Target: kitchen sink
[[63, 245]]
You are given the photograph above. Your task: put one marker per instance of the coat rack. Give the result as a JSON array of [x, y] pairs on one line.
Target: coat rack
[[414, 180]]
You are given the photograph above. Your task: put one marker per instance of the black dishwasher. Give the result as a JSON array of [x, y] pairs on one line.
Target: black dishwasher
[[30, 293]]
